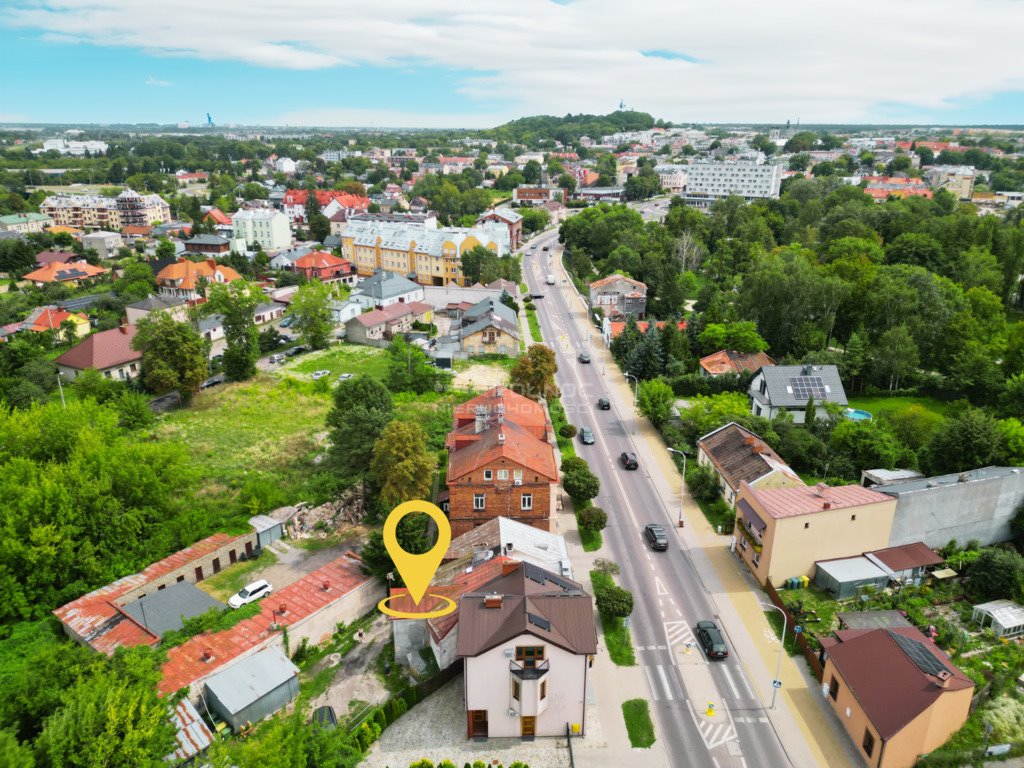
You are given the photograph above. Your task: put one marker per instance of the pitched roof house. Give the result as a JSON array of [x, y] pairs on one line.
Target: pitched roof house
[[56, 272], [788, 388], [527, 638], [618, 296], [897, 695], [731, 361], [737, 455], [326, 267], [109, 352], [181, 279], [488, 327], [380, 325], [50, 318]]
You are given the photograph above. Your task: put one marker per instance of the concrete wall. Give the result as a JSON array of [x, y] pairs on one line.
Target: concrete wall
[[488, 686], [444, 651], [978, 509], [409, 635]]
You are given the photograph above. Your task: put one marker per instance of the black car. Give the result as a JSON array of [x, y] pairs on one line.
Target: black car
[[711, 640], [213, 381], [536, 295], [656, 537], [586, 436], [544, 248], [628, 460], [603, 404], [296, 351], [584, 357]]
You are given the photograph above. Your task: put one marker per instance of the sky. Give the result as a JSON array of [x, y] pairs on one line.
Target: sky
[[478, 63]]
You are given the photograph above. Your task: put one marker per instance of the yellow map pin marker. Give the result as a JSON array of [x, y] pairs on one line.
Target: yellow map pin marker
[[417, 571]]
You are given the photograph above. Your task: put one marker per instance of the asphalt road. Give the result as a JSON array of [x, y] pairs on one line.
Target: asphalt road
[[669, 596]]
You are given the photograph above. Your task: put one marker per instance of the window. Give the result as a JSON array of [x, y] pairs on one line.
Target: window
[[807, 525], [515, 690], [868, 743], [833, 688], [503, 474], [478, 500], [526, 501], [543, 689], [756, 559], [517, 475], [529, 655], [488, 474], [852, 518]]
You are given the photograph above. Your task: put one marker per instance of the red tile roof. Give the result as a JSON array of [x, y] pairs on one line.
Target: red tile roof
[[618, 326], [49, 319], [57, 272], [189, 272], [516, 408], [615, 278], [393, 312], [102, 350], [319, 260], [730, 361], [324, 196], [507, 441], [807, 499], [301, 599], [907, 556], [217, 216], [59, 257]]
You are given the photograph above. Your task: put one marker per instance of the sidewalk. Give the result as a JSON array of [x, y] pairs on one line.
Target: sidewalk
[[806, 729]]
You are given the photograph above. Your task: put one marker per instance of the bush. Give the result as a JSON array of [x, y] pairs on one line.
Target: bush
[[592, 518], [691, 384], [614, 601], [702, 482], [567, 431], [579, 482], [609, 567]]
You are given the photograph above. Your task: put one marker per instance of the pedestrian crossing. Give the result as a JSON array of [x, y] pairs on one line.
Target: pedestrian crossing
[[679, 633], [663, 681], [716, 734]]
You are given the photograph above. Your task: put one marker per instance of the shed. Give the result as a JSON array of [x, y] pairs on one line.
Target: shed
[[253, 688], [846, 576], [267, 529], [166, 608], [872, 620], [906, 563], [1005, 617], [192, 734]]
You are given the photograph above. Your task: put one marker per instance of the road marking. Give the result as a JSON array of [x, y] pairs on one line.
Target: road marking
[[661, 603], [762, 719], [650, 682], [664, 681], [742, 675], [660, 586], [678, 632], [663, 614], [732, 685]]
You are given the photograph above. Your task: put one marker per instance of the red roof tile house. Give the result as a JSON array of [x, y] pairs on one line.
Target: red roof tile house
[[326, 267], [379, 326], [737, 455], [181, 279], [498, 401], [43, 319], [897, 695], [56, 272], [294, 203], [730, 361], [109, 352], [498, 466], [618, 296]]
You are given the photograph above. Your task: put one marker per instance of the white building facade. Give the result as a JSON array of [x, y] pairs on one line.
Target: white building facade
[[268, 228], [710, 181]]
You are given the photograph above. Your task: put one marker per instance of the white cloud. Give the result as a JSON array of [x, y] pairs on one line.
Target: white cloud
[[386, 118], [835, 61], [152, 81]]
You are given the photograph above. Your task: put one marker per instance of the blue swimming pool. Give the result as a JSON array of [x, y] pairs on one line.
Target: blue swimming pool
[[855, 414]]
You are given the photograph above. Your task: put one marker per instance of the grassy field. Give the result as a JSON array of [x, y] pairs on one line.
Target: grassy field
[[638, 723], [878, 405], [501, 361], [592, 540], [226, 583], [531, 318], [341, 358], [616, 633], [811, 599]]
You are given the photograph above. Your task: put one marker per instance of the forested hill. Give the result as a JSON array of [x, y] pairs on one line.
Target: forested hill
[[569, 128]]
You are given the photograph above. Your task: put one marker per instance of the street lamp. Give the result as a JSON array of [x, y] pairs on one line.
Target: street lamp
[[60, 386], [778, 666], [636, 385], [682, 492]]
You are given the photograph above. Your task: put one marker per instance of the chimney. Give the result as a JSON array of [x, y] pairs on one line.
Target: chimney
[[943, 678], [326, 586], [758, 448], [508, 568], [748, 440], [481, 419], [282, 609], [492, 601], [123, 326], [498, 392], [962, 477], [207, 655], [826, 505], [212, 264]]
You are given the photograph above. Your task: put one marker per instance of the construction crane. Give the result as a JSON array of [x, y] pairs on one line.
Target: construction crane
[[622, 104], [209, 120]]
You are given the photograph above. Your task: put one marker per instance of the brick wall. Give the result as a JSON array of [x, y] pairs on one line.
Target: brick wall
[[502, 498]]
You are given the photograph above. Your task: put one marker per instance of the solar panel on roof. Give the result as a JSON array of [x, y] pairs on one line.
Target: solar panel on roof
[[808, 386], [921, 656], [538, 621]]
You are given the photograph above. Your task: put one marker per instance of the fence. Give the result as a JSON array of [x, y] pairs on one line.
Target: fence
[[805, 647]]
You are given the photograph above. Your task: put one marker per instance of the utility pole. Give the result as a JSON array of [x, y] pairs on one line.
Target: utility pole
[[682, 492]]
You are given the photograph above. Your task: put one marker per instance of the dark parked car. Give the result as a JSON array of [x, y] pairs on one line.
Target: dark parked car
[[296, 351], [586, 436], [544, 248], [711, 640], [628, 460], [536, 295], [584, 357], [603, 404], [656, 537], [213, 381]]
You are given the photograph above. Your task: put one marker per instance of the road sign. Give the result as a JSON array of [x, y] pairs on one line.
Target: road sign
[[776, 683], [711, 710], [797, 629]]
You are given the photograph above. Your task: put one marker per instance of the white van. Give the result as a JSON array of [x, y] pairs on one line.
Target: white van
[[551, 279]]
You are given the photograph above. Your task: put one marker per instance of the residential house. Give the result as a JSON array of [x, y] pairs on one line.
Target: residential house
[[181, 279], [213, 245], [527, 639], [55, 272], [730, 361], [25, 223], [672, 178], [129, 208], [135, 233], [109, 352], [979, 504], [294, 203], [175, 307], [776, 389], [739, 456], [488, 327], [382, 289], [897, 695], [379, 326], [783, 532], [253, 688], [267, 312], [51, 318], [504, 536], [104, 243], [601, 194], [264, 227], [618, 296], [506, 217], [881, 188], [343, 311], [957, 179], [56, 257], [222, 224], [499, 466], [326, 267], [556, 210], [526, 194], [286, 259]]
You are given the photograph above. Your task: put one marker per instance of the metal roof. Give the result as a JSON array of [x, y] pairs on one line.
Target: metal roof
[[851, 569], [166, 609], [927, 483], [251, 678], [193, 735]]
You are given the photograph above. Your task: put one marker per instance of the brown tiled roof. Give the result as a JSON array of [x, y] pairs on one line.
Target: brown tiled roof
[[614, 278], [907, 556], [189, 272], [392, 312], [741, 456], [805, 500], [59, 272], [535, 601], [731, 361], [517, 409], [59, 257], [504, 441], [102, 350], [889, 686]]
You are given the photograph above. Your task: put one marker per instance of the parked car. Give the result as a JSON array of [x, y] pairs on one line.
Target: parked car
[[287, 338], [346, 376], [317, 375], [296, 350], [586, 436], [545, 248], [287, 322], [278, 358], [656, 537], [710, 637], [250, 593], [603, 404], [584, 357], [213, 381], [628, 460], [536, 295], [550, 280]]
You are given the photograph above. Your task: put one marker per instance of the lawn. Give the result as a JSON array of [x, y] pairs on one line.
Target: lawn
[[531, 318], [616, 633], [340, 358], [877, 405], [638, 723], [592, 540], [501, 361], [226, 583], [559, 420]]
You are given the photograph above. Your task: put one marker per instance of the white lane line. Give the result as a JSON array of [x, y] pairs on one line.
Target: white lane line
[[650, 682], [660, 587], [663, 614], [732, 685], [664, 681], [742, 675], [715, 761]]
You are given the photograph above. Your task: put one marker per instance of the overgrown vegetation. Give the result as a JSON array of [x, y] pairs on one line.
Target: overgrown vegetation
[[638, 723]]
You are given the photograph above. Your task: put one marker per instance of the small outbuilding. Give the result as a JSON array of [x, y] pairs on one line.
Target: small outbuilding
[[1005, 617], [253, 688], [268, 530], [846, 576], [166, 609]]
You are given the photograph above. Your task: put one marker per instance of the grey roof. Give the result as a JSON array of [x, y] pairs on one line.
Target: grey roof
[[165, 610], [486, 313], [490, 306], [262, 523], [386, 285], [6, 235], [208, 240], [156, 303], [872, 619], [265, 306], [251, 678], [889, 476], [210, 322], [83, 302], [851, 569], [927, 483], [332, 241], [780, 380]]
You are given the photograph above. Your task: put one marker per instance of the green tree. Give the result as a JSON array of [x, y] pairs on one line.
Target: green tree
[[174, 355], [969, 440], [647, 360], [164, 249], [913, 425], [799, 161], [410, 370], [916, 248], [311, 310], [136, 281], [655, 399], [997, 574], [535, 219], [739, 336], [702, 481], [894, 358], [13, 754], [236, 303], [533, 375], [592, 518], [579, 482], [622, 346], [614, 601], [567, 182], [532, 171], [402, 466], [867, 444], [362, 408]]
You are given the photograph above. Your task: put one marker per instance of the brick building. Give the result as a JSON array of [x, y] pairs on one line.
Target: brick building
[[506, 217]]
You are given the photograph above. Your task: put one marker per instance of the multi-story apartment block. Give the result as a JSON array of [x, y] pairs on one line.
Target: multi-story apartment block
[[74, 148], [267, 228], [672, 177], [434, 256], [710, 181], [97, 212], [532, 195], [25, 223], [958, 179]]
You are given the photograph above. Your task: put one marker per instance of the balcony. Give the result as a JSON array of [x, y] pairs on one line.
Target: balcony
[[755, 542], [533, 672]]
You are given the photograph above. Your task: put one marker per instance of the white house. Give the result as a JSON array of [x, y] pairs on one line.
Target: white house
[[268, 228], [382, 289], [789, 388]]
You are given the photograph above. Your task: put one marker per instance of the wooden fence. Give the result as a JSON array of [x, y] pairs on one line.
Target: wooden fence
[[801, 642]]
